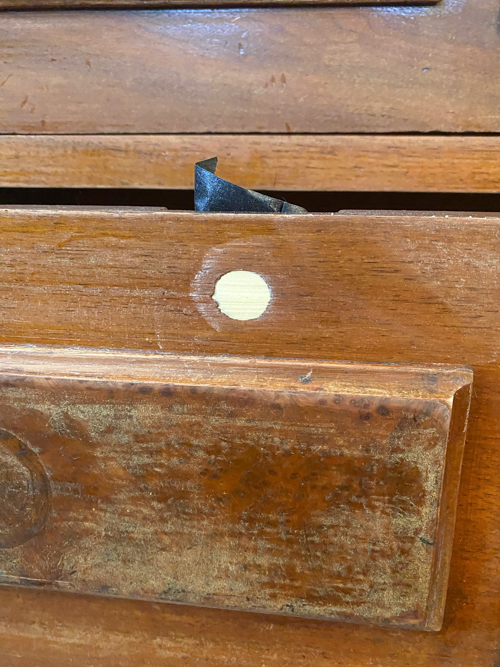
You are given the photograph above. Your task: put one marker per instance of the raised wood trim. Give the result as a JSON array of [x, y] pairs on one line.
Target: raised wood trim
[[267, 162], [296, 474]]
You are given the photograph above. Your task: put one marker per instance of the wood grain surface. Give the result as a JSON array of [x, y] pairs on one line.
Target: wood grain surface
[[308, 489], [418, 289], [343, 70], [270, 162]]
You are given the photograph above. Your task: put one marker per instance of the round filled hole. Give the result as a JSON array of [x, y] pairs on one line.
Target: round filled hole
[[242, 295]]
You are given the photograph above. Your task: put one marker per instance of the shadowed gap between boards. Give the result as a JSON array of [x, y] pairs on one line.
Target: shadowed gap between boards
[[312, 201]]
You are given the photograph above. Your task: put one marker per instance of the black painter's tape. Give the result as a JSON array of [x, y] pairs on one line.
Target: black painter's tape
[[212, 193]]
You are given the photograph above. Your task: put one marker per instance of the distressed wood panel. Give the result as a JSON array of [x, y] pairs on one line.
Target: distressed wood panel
[[307, 489], [344, 70], [271, 162], [419, 289]]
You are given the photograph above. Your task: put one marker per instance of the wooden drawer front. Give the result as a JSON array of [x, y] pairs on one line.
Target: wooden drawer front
[[402, 289], [357, 69]]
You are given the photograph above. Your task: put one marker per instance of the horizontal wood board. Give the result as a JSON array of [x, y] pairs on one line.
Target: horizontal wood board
[[318, 70], [278, 162]]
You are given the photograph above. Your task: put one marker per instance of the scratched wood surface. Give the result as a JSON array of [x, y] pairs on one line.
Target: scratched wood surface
[[278, 162], [321, 70], [419, 289], [301, 488]]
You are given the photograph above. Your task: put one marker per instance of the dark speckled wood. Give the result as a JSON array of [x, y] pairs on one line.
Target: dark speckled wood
[[24, 492]]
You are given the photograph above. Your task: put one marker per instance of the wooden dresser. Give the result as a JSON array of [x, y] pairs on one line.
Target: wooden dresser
[[338, 392]]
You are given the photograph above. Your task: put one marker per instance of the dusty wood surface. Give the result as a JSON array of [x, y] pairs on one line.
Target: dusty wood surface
[[357, 69], [278, 162], [399, 289], [308, 489]]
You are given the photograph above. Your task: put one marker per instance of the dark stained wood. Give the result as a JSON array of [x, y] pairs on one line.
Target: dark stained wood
[[280, 162], [301, 488], [419, 289], [337, 70]]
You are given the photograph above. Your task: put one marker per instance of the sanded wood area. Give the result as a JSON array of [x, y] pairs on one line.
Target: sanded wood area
[[344, 70], [273, 162], [419, 289], [302, 488]]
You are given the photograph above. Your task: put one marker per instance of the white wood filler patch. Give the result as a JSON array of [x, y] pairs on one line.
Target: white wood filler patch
[[242, 295]]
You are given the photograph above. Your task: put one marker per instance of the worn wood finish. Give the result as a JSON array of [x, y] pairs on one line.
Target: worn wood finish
[[341, 70], [402, 289], [301, 488], [276, 162]]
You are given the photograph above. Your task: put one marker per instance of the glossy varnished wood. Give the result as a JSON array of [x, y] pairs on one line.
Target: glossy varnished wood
[[276, 162], [300, 488], [419, 289], [357, 69]]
